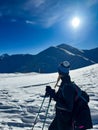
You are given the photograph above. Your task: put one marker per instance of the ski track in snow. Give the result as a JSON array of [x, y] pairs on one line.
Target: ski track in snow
[[21, 96]]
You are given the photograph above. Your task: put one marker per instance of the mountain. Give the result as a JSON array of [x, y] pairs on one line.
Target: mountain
[[71, 49], [92, 54], [15, 63], [48, 60]]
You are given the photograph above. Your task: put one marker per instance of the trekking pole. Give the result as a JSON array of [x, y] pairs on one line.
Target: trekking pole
[[46, 113], [58, 79], [38, 112]]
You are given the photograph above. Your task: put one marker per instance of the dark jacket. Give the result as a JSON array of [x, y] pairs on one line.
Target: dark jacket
[[65, 97], [64, 105]]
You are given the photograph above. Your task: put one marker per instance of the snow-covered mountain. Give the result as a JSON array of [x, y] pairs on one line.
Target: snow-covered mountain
[[22, 94], [71, 49], [48, 60], [92, 54]]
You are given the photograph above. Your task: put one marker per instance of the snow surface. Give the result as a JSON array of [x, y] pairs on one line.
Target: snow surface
[[21, 96]]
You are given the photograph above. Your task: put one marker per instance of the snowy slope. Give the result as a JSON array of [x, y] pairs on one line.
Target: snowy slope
[[21, 96]]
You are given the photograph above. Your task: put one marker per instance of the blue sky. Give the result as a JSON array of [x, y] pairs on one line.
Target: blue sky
[[29, 26]]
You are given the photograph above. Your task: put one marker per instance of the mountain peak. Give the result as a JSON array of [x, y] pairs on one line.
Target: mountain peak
[[70, 49]]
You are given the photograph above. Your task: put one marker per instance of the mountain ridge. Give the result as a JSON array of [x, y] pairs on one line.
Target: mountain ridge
[[47, 60]]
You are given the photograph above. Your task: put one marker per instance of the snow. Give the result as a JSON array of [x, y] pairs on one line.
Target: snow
[[21, 96], [68, 52]]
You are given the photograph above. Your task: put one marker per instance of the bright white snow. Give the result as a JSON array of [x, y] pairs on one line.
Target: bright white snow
[[21, 96]]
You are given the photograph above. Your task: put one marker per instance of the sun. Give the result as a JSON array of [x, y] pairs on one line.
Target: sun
[[75, 22]]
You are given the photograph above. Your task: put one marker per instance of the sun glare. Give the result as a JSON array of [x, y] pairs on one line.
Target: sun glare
[[75, 22]]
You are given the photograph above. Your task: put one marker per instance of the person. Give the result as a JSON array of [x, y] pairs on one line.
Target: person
[[65, 103]]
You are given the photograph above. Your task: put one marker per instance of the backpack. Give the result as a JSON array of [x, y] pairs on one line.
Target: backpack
[[81, 94], [81, 109], [85, 96]]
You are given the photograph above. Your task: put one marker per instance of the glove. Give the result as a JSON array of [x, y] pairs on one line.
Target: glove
[[48, 89], [50, 92]]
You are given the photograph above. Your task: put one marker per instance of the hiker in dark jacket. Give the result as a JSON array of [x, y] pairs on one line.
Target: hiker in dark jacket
[[65, 101]]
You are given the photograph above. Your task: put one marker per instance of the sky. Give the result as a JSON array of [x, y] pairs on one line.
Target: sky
[[30, 26]]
